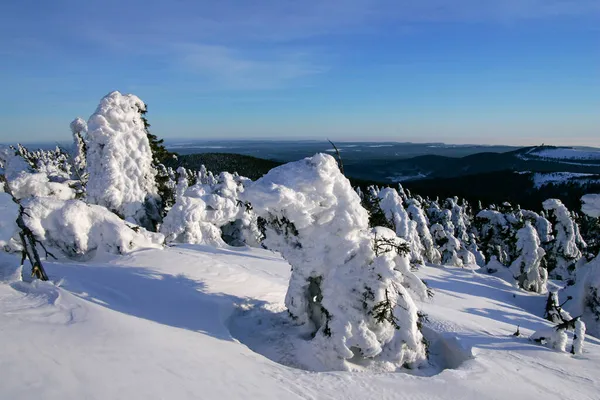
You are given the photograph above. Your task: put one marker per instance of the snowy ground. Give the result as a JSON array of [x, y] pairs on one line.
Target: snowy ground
[[184, 323], [545, 178]]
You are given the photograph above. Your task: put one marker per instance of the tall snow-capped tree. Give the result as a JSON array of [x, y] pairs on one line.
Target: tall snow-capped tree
[[529, 266], [352, 298], [119, 161], [564, 251]]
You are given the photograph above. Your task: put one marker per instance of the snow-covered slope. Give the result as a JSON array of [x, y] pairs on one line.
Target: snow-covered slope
[[566, 153], [158, 324]]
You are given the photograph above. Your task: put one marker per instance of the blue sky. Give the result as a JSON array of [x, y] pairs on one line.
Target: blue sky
[[462, 71]]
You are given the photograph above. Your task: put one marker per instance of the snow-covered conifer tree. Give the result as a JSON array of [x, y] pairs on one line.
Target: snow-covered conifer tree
[[119, 160], [392, 206], [448, 245], [370, 202], [564, 251], [79, 130], [493, 233], [183, 182], [416, 214], [528, 268], [474, 249], [353, 299]]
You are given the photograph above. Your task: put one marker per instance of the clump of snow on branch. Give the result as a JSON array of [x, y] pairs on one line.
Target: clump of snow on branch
[[353, 300], [119, 158]]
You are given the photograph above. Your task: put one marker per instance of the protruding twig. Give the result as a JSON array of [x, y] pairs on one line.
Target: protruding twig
[[339, 157]]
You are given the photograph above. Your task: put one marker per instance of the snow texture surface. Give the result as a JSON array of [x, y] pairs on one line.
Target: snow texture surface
[[119, 159]]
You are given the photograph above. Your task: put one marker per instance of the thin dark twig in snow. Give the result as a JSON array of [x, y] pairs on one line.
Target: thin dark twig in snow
[[339, 157]]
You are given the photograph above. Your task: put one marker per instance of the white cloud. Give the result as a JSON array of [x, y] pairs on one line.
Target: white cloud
[[234, 69]]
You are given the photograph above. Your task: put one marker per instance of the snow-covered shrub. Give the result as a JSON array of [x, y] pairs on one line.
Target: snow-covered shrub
[[556, 337], [392, 206], [78, 229], [208, 212], [188, 222], [119, 160], [26, 180], [417, 215], [55, 164], [12, 164], [355, 302], [563, 252], [551, 337]]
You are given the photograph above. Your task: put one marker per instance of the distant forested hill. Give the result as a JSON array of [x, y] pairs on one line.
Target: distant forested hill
[[247, 166]]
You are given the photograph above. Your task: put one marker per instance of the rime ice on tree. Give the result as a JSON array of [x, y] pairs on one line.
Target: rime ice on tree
[[353, 295], [119, 160]]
